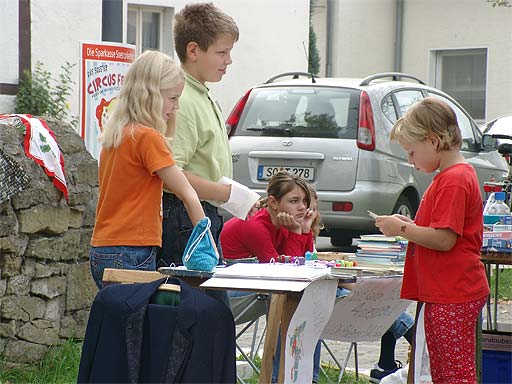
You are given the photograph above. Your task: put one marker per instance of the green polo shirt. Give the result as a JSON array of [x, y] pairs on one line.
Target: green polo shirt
[[201, 143]]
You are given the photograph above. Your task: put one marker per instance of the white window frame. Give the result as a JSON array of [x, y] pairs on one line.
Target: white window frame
[[166, 37], [436, 64]]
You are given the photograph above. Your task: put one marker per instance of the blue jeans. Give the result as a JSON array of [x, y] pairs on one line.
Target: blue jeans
[[120, 257], [316, 361], [402, 324], [177, 228]]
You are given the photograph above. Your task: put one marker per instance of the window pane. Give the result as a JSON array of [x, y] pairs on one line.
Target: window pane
[[463, 76], [388, 108], [407, 98], [464, 123], [150, 30], [131, 33], [301, 112]]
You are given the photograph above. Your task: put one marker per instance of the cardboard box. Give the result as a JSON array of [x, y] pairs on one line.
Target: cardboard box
[[496, 357]]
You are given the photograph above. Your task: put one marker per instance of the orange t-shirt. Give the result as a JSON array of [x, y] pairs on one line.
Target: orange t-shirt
[[130, 193]]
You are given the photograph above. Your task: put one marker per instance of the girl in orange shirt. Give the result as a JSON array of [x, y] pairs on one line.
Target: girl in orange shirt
[[135, 163]]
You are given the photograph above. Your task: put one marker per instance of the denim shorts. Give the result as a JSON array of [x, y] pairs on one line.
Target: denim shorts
[[120, 257]]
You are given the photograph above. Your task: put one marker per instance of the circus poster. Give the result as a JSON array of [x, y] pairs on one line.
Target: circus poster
[[103, 67]]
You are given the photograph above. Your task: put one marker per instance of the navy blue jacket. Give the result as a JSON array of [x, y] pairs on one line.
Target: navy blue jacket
[[130, 340]]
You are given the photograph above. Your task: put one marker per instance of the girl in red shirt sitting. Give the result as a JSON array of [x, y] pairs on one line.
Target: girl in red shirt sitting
[[442, 265], [281, 227]]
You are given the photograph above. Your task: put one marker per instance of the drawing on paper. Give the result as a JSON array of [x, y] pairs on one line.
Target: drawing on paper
[[296, 350]]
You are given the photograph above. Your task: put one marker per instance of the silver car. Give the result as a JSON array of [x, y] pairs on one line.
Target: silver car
[[334, 132]]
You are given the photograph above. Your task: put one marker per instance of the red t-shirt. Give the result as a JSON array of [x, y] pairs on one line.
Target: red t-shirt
[[130, 193], [453, 200], [258, 237]]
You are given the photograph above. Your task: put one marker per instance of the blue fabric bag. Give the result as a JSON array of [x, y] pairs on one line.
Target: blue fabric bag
[[201, 253]]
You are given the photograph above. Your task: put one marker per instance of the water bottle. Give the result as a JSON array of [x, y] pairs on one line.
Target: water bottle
[[490, 201], [499, 207]]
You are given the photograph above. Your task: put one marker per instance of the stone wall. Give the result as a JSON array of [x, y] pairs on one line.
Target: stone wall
[[45, 285]]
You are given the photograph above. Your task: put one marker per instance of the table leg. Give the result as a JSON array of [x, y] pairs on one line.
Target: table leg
[[277, 303], [496, 294], [488, 305]]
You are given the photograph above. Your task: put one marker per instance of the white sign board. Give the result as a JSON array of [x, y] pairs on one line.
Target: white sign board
[[103, 67], [368, 312]]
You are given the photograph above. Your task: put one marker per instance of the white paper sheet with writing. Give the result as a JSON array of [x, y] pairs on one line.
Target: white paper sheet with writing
[[240, 200], [309, 319], [369, 310], [270, 271]]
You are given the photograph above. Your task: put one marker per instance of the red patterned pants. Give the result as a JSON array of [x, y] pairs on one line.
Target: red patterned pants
[[450, 335]]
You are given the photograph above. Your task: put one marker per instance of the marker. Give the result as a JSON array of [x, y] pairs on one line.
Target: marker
[[372, 215]]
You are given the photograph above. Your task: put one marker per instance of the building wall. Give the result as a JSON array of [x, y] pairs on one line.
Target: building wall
[[271, 37], [460, 24], [364, 40], [272, 34]]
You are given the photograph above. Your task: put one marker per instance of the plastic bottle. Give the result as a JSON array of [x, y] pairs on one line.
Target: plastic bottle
[[490, 201], [499, 207]]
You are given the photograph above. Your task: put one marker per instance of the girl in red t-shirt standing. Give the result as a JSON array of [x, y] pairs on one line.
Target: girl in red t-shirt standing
[[442, 266]]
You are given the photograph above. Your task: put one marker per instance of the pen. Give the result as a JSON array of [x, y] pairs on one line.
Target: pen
[[372, 215]]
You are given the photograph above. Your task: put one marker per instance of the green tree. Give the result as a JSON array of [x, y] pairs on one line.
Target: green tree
[[313, 54]]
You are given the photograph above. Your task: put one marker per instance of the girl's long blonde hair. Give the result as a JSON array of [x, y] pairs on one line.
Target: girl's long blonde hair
[[140, 100]]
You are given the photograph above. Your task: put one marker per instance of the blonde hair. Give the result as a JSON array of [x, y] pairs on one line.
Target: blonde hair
[[283, 182], [425, 118], [201, 23], [140, 100]]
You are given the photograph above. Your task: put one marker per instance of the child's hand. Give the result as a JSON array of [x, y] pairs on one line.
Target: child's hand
[[404, 218], [308, 219], [288, 221], [253, 209], [390, 225]]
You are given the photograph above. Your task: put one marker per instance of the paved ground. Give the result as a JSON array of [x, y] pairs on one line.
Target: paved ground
[[368, 353]]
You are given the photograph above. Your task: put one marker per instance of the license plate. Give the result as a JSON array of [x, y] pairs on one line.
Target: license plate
[[265, 172]]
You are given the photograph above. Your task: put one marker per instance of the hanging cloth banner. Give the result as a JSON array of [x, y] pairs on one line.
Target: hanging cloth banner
[[41, 146]]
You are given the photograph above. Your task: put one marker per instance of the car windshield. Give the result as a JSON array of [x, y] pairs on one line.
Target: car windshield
[[322, 112]]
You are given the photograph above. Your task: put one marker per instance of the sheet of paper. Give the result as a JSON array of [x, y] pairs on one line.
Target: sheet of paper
[[241, 199], [276, 286], [369, 310], [421, 358], [271, 271], [304, 330]]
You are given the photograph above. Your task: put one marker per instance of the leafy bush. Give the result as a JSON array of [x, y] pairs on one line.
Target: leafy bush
[[41, 95]]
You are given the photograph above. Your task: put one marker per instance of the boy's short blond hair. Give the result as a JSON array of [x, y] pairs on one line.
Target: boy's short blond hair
[[426, 118], [202, 23]]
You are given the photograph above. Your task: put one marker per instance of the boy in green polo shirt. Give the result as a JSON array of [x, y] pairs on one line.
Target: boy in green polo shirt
[[204, 37]]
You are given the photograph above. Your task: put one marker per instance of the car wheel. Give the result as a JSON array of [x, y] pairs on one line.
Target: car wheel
[[404, 207]]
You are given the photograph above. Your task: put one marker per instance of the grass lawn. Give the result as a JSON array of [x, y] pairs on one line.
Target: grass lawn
[[60, 365], [505, 283]]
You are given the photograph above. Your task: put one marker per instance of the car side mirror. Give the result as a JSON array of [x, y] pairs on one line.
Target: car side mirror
[[489, 142]]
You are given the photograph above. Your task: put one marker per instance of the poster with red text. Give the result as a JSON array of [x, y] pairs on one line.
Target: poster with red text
[[103, 67]]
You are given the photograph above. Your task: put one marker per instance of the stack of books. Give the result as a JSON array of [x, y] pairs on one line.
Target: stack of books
[[380, 249], [497, 241]]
